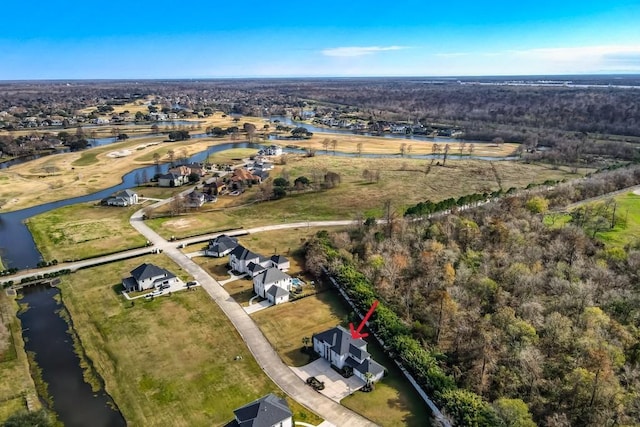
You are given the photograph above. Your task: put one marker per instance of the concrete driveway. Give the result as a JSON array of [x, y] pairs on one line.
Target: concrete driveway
[[336, 387]]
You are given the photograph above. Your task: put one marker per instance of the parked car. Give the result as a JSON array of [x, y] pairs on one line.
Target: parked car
[[189, 284], [315, 383]]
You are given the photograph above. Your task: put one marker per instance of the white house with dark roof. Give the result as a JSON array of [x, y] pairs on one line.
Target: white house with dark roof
[[221, 246], [245, 261], [148, 276], [272, 284], [338, 347], [121, 198], [268, 411]]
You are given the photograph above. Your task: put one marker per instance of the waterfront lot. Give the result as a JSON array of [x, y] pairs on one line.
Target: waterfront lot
[[392, 403], [170, 361], [84, 230]]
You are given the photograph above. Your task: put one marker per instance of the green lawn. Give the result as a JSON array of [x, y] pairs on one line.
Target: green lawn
[[166, 362], [627, 227], [394, 401], [83, 231]]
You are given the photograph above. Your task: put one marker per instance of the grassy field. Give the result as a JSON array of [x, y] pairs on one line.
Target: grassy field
[[166, 362], [402, 181], [83, 231], [627, 228], [15, 379], [393, 403]]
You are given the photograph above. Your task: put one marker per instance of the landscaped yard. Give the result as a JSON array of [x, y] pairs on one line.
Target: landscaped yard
[[166, 362], [83, 231], [393, 402]]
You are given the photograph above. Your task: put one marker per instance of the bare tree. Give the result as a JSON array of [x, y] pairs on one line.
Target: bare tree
[[359, 149], [334, 144]]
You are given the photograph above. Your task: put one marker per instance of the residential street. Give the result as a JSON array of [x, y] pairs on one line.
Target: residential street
[[261, 349]]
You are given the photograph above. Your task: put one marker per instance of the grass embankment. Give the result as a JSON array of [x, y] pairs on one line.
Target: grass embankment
[[166, 362], [393, 402], [402, 181], [16, 383], [84, 231]]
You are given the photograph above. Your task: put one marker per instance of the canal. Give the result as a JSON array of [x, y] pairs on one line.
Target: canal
[[47, 335]]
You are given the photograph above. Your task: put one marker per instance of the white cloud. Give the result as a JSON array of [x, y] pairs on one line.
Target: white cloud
[[350, 51]]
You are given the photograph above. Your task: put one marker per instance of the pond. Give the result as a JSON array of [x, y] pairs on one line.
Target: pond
[[46, 334]]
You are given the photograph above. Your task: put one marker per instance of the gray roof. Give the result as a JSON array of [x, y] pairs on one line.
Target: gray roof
[[339, 339], [369, 365], [254, 268], [124, 193], [271, 275], [243, 253], [146, 271], [264, 412], [355, 351], [223, 243], [277, 292], [278, 259]]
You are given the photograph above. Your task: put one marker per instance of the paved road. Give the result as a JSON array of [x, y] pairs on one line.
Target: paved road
[[261, 349]]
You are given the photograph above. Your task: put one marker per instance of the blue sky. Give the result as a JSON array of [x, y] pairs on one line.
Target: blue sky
[[195, 39]]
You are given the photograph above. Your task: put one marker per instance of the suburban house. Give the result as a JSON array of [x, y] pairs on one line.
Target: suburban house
[[240, 258], [268, 411], [272, 284], [338, 347], [172, 180], [243, 260], [196, 168], [148, 276], [215, 187], [194, 199], [272, 150], [242, 177], [180, 170], [221, 246], [121, 198]]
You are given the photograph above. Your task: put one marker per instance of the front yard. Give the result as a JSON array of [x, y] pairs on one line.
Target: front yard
[[393, 402]]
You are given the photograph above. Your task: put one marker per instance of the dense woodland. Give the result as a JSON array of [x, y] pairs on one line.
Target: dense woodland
[[538, 321]]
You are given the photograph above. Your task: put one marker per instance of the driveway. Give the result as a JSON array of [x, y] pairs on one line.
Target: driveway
[[336, 387]]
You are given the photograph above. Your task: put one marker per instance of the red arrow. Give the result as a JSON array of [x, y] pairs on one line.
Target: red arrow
[[355, 334]]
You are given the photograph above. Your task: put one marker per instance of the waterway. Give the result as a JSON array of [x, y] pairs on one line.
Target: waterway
[[16, 243], [46, 334]]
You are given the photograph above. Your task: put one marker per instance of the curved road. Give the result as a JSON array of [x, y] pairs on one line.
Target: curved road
[[261, 349]]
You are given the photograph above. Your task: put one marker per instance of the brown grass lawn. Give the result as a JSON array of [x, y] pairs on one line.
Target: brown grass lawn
[[74, 174], [403, 181], [15, 379], [166, 362], [393, 403], [84, 230]]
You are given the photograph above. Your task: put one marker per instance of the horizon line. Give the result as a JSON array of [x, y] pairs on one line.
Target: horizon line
[[461, 76]]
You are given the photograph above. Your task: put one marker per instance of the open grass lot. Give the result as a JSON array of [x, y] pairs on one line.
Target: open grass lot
[[393, 403], [381, 145], [627, 228], [403, 181], [83, 231], [15, 379], [232, 156], [166, 362]]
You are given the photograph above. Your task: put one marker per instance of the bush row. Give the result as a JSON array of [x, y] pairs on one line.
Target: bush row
[[464, 407]]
